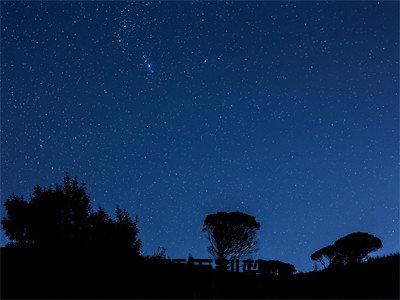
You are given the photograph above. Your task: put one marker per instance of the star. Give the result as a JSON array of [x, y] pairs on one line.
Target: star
[[150, 69], [219, 112]]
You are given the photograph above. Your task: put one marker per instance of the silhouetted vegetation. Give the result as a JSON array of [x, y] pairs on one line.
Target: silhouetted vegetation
[[231, 234], [60, 248], [160, 254], [355, 247], [324, 255], [61, 218], [350, 249]]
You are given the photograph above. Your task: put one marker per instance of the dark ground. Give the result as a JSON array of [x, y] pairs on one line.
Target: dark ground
[[34, 274]]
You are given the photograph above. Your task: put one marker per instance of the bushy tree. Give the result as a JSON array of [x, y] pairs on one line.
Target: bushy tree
[[15, 225], [355, 247], [53, 218], [61, 218], [231, 234], [350, 249], [126, 231], [100, 232]]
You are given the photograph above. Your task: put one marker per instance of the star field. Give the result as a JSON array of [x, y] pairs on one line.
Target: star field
[[174, 110]]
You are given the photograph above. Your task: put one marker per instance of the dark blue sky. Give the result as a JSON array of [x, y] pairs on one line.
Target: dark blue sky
[[174, 110]]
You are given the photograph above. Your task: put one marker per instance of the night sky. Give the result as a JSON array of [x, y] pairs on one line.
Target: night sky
[[175, 110]]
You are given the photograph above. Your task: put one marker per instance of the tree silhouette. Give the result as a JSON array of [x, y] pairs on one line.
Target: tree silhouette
[[231, 234], [350, 249], [126, 232], [53, 218], [160, 254], [61, 218], [15, 226], [327, 253], [100, 233], [355, 247]]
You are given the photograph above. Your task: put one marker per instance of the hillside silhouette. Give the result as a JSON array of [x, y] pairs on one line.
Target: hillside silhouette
[[60, 248]]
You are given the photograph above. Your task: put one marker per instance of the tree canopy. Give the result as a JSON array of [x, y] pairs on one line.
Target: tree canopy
[[355, 247], [325, 253], [62, 218], [54, 217], [349, 249], [231, 234]]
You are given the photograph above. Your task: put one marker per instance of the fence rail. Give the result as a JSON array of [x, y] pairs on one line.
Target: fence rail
[[272, 268]]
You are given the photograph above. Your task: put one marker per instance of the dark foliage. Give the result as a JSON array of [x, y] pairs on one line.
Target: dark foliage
[[231, 234], [60, 218], [323, 254], [350, 249], [53, 218], [61, 249], [355, 247], [160, 254]]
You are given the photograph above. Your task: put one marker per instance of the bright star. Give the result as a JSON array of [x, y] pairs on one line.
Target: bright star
[[150, 68]]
